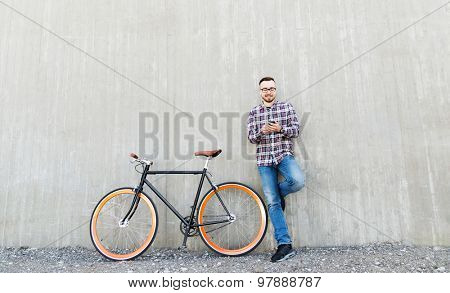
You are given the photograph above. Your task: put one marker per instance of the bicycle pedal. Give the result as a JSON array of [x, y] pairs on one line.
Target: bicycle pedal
[[182, 248]]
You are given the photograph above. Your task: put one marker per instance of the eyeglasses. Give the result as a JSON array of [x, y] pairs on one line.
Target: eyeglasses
[[266, 90]]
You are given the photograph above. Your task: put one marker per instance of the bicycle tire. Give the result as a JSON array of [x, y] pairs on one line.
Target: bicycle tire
[[248, 208], [147, 233]]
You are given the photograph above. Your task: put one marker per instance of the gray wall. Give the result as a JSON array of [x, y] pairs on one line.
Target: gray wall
[[370, 78]]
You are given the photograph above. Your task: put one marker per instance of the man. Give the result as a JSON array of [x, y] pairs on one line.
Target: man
[[273, 125]]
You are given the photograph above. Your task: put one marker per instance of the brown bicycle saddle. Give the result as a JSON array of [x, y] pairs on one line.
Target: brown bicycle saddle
[[213, 153]]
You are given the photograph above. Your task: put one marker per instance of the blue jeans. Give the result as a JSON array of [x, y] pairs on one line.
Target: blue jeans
[[294, 180]]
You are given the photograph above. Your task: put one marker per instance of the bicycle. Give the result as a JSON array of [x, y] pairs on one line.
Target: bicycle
[[231, 217]]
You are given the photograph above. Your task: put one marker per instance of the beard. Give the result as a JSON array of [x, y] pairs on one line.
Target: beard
[[269, 98]]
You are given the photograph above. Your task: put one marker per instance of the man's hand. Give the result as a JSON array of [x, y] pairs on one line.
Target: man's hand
[[270, 128]]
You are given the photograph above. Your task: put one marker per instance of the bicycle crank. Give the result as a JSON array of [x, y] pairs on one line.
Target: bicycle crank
[[193, 231]]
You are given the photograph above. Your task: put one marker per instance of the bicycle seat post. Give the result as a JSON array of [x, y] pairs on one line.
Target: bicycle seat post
[[206, 163]]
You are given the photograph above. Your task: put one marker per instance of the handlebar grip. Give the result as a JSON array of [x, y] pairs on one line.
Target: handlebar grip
[[134, 156]]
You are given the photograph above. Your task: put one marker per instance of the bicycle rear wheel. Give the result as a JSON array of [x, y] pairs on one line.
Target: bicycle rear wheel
[[239, 234], [118, 240]]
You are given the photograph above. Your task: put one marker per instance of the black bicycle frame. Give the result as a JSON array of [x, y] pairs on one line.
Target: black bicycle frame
[[189, 224]]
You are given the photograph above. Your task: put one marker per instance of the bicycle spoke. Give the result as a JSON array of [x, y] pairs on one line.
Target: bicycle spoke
[[135, 237], [112, 216], [106, 237], [108, 224], [129, 238]]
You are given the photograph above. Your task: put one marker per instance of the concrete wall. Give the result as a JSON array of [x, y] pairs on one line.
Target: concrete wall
[[370, 78]]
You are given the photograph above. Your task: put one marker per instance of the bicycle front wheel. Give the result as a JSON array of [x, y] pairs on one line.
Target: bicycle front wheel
[[118, 237], [232, 220]]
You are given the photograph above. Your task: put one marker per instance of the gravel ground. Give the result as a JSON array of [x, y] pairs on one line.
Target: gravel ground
[[374, 258]]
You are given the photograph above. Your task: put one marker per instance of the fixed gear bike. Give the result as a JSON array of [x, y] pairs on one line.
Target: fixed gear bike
[[231, 217]]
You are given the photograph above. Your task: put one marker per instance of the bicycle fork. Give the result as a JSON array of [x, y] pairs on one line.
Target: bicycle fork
[[134, 205], [131, 211]]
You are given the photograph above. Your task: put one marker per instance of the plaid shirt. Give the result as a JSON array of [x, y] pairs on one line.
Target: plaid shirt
[[273, 147]]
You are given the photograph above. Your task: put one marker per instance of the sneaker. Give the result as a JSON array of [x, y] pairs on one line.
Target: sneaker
[[283, 203], [284, 252]]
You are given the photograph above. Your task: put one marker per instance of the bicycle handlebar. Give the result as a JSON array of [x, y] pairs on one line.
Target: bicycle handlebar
[[136, 159]]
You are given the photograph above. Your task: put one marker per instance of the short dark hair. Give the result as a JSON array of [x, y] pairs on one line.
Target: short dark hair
[[267, 78]]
